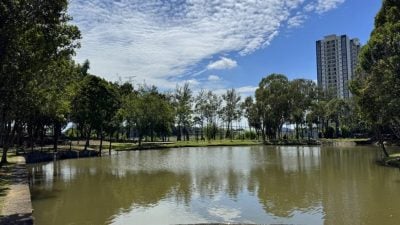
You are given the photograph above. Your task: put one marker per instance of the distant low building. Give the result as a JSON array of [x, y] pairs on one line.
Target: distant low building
[[337, 59]]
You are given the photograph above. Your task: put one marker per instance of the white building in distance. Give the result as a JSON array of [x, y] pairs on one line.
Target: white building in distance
[[337, 58]]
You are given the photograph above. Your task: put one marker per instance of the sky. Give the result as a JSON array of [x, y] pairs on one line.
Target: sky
[[212, 44]]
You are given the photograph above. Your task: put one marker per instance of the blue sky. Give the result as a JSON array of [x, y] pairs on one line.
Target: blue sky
[[212, 44]]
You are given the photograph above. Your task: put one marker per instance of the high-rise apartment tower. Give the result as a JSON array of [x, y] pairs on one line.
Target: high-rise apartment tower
[[337, 58]]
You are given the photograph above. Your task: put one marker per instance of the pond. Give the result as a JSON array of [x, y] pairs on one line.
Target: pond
[[258, 184]]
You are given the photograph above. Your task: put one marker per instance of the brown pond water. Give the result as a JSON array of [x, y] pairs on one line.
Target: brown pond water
[[259, 184]]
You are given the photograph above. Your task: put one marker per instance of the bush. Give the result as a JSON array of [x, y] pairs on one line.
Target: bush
[[250, 135], [346, 133], [329, 132]]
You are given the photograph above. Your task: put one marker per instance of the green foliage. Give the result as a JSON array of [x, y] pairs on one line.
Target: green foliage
[[377, 87], [251, 112], [232, 110], [302, 94], [329, 132], [345, 132], [251, 135], [36, 43], [95, 105], [183, 107], [149, 112], [208, 107], [274, 104]]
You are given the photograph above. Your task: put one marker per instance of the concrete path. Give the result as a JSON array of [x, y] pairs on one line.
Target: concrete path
[[17, 206]]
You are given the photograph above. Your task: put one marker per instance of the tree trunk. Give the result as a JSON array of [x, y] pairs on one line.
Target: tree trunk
[[8, 141], [4, 156], [56, 132], [42, 133], [187, 135], [109, 147], [140, 140], [30, 134], [101, 141], [381, 142], [337, 128], [263, 129], [179, 134], [88, 138]]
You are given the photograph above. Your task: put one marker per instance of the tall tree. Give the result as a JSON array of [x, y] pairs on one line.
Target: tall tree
[[213, 107], [231, 111], [32, 34], [208, 106], [183, 106], [149, 112], [94, 106], [301, 95], [273, 102], [201, 109], [251, 114], [377, 87]]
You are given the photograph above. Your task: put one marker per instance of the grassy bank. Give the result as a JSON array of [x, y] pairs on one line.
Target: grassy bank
[[180, 144], [392, 160], [343, 140]]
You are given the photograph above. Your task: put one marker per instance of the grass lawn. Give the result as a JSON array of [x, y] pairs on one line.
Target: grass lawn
[[343, 139], [193, 143]]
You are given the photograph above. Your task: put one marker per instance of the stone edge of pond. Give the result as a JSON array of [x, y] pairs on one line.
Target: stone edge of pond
[[17, 206]]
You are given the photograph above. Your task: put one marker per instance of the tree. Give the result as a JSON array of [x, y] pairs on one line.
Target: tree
[[336, 110], [30, 38], [317, 115], [149, 112], [301, 94], [183, 107], [231, 111], [207, 107], [251, 114], [94, 106], [53, 95], [201, 109], [212, 108], [273, 102], [377, 86]]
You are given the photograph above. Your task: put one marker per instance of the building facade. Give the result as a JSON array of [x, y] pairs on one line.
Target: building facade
[[337, 59]]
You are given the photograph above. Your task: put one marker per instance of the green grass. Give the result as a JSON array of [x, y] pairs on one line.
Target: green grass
[[343, 139], [396, 155], [213, 143], [179, 144]]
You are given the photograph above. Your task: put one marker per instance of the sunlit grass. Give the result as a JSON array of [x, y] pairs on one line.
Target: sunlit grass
[[343, 139]]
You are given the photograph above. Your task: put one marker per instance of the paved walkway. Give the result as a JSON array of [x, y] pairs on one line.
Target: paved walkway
[[17, 206]]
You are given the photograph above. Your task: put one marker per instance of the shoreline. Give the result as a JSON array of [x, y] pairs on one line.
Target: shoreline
[[47, 156]]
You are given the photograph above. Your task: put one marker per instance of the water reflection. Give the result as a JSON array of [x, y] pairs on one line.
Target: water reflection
[[289, 181], [295, 185]]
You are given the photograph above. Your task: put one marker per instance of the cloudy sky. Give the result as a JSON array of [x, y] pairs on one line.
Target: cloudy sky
[[212, 44]]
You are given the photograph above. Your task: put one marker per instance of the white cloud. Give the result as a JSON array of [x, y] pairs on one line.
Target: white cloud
[[296, 21], [158, 41], [214, 78], [243, 91], [247, 89], [222, 64], [321, 6], [192, 82]]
